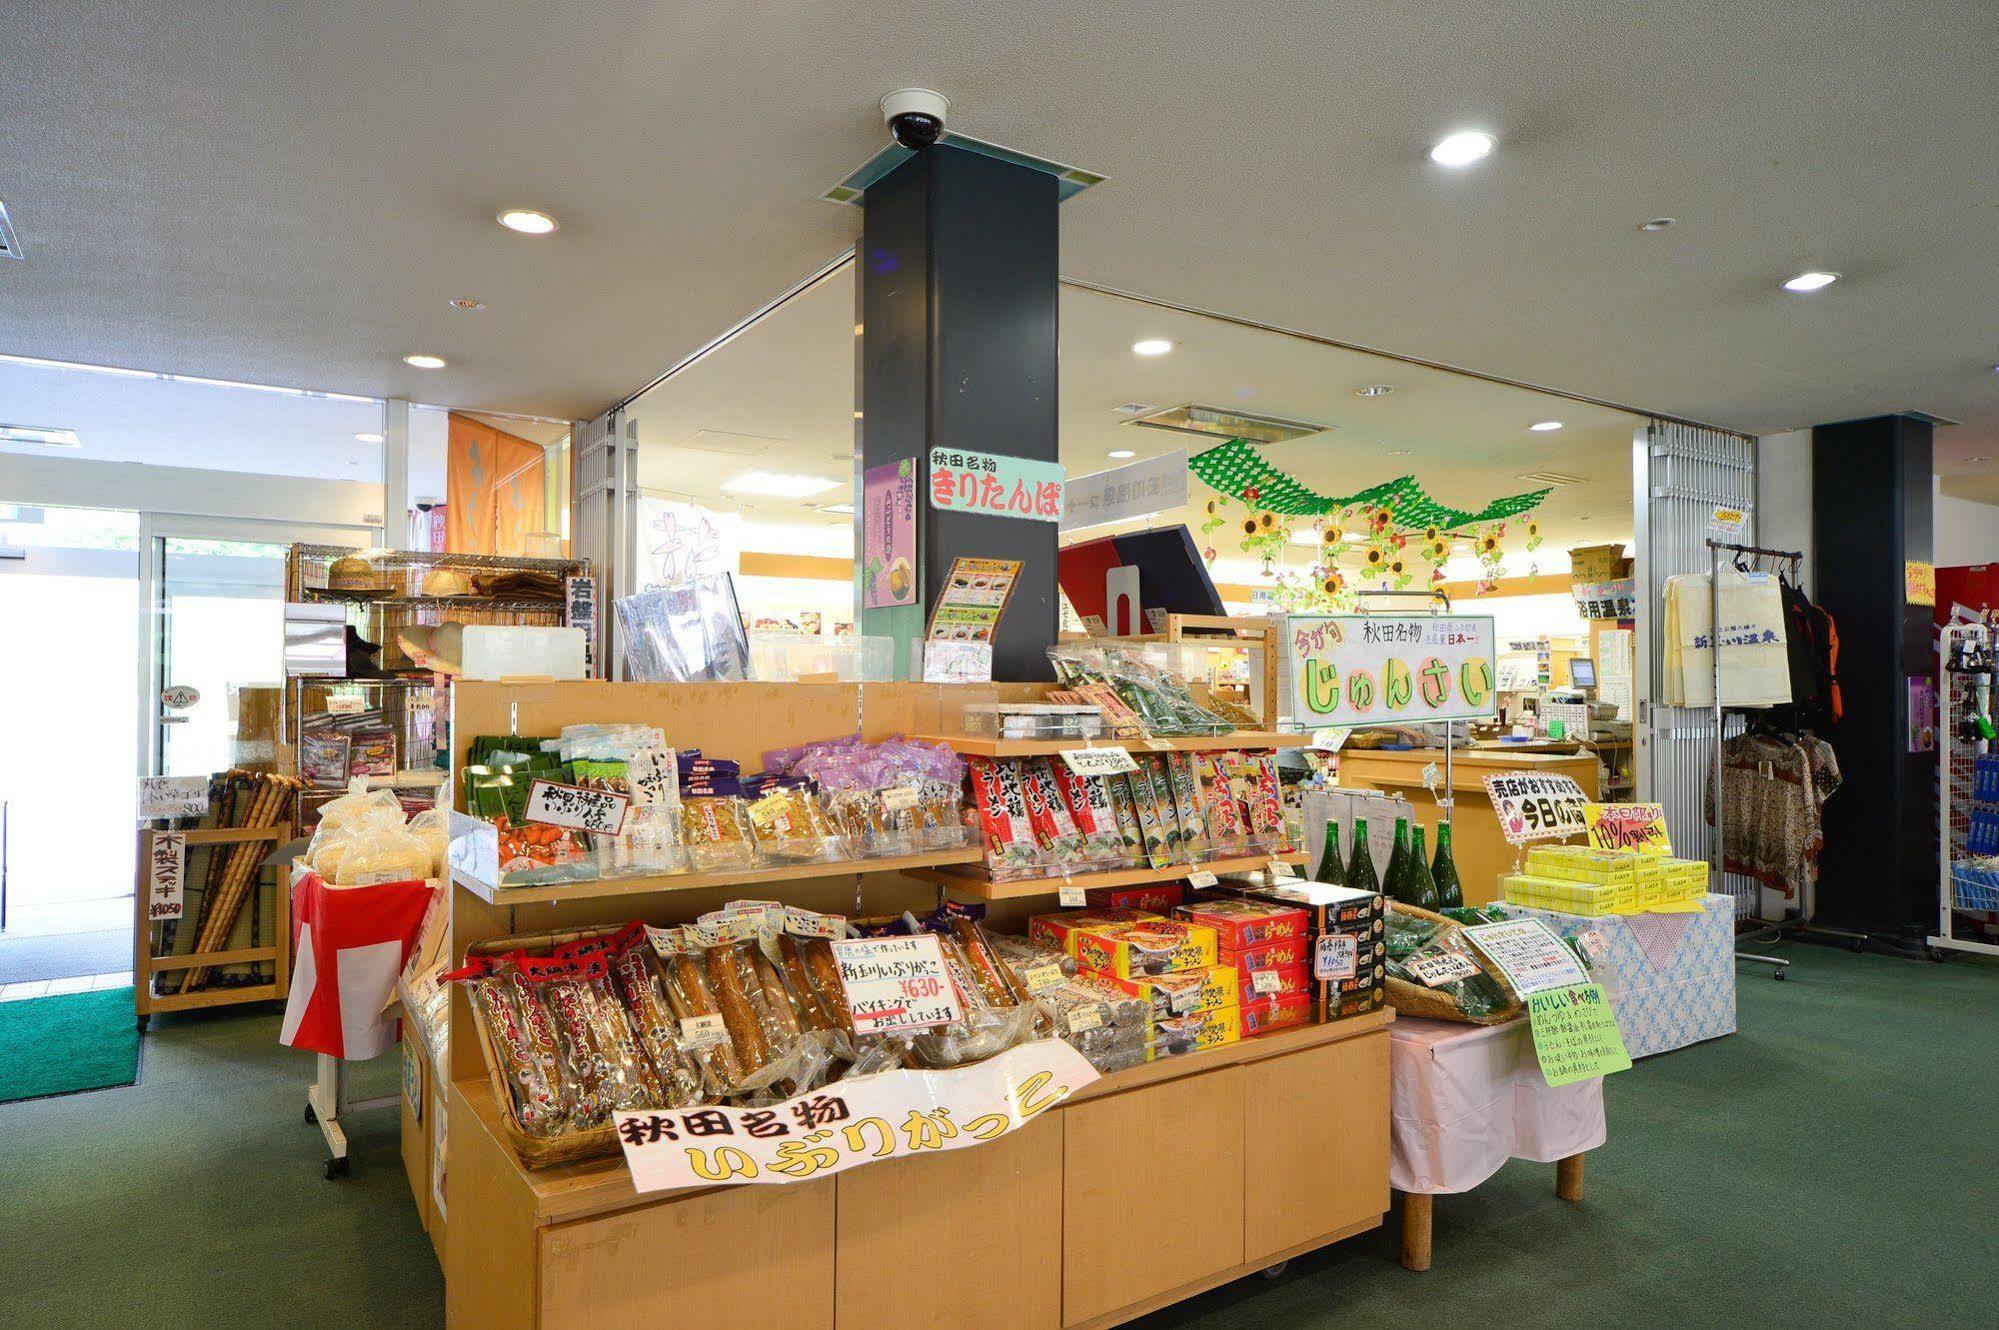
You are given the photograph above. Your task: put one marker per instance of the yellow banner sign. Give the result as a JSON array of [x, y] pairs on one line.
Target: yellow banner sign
[[1640, 827]]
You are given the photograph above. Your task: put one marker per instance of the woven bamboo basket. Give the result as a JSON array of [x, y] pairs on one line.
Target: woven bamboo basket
[[536, 1151], [1419, 1000]]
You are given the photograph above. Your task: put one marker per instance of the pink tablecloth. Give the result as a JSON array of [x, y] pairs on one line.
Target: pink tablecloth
[[1466, 1098]]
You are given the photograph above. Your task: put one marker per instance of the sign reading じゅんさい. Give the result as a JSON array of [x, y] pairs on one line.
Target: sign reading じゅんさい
[[1361, 669]]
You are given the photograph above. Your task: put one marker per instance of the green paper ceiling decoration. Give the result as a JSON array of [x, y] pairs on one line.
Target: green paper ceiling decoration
[[1234, 468]]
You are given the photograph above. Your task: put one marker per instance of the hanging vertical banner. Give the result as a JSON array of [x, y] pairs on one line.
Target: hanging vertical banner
[[994, 486], [1357, 669], [888, 535]]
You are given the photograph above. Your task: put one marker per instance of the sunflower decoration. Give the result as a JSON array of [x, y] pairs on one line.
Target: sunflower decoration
[[1438, 550], [1215, 520], [1381, 519], [1249, 527], [1266, 522], [1533, 535], [1332, 535], [1488, 546], [1332, 583], [1372, 564], [1432, 534], [1400, 572]]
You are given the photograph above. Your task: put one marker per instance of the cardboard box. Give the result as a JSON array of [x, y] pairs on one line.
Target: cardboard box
[[1324, 904], [1334, 909], [1241, 923], [1598, 563], [1153, 898], [1278, 1012], [1148, 947], [1181, 993], [1291, 979], [1173, 1035], [1058, 932], [1278, 955]]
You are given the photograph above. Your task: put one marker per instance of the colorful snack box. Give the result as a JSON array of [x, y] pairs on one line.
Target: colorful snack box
[[1157, 898], [1149, 947], [1058, 932], [1173, 1035], [1242, 924], [1273, 955], [1183, 992], [1291, 981], [1276, 1012]]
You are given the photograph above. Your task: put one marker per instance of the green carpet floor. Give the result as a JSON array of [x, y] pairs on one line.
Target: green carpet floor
[[1832, 1165], [76, 1041]]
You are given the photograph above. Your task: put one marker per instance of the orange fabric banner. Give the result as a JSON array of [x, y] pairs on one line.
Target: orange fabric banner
[[495, 490]]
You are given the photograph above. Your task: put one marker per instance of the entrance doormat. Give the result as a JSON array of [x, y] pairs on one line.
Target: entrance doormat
[[75, 1041]]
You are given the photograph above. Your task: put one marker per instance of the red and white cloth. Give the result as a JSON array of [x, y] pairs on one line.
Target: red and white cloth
[[350, 943]]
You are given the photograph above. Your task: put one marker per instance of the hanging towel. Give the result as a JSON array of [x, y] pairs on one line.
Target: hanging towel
[[1755, 664]]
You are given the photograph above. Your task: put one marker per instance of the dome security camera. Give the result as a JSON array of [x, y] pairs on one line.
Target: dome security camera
[[915, 116]]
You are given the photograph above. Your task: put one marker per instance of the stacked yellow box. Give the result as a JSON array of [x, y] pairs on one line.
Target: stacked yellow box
[[1575, 879]]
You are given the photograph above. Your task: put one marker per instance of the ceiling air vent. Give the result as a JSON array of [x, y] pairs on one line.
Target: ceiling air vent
[[1216, 423], [1551, 478], [10, 248]]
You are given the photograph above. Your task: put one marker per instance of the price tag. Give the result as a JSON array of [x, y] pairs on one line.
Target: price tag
[[809, 923], [1282, 871], [1160, 745], [1725, 522], [1332, 739], [666, 942], [346, 704], [1181, 1001], [1084, 1019], [1441, 968], [1041, 978], [1201, 877], [703, 1031], [1432, 777], [558, 805], [1108, 761], [896, 983], [1070, 896], [654, 775], [166, 870], [898, 798], [1335, 956], [1265, 982], [172, 796]]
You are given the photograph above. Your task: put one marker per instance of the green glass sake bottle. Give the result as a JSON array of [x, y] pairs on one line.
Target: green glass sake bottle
[[1419, 888], [1330, 868], [1391, 876], [1450, 891], [1360, 865]]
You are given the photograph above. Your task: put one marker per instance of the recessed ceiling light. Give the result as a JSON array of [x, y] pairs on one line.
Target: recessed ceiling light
[[779, 485], [368, 438], [1811, 281], [49, 436], [527, 221], [425, 362], [1374, 390], [1545, 426], [466, 302], [1151, 346], [1121, 453], [1656, 224], [1398, 452], [1462, 148], [846, 509]]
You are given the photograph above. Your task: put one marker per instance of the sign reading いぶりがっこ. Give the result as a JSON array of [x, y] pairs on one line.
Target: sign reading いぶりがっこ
[[1356, 669], [995, 486]]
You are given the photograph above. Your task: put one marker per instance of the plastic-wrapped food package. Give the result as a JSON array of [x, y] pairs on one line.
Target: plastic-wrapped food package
[[1088, 799], [1023, 956], [1107, 1027], [1228, 836], [791, 827], [523, 1041], [599, 1053], [379, 852], [432, 827], [716, 832], [989, 1026], [1054, 830], [704, 1033], [634, 970], [1012, 850], [777, 1059], [1184, 792], [1155, 812]]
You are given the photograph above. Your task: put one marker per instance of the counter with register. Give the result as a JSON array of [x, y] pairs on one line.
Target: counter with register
[[1199, 1009]]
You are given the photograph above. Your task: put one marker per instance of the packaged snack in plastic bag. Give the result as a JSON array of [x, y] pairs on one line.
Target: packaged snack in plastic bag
[[1054, 830], [1012, 851], [523, 1041], [640, 985], [716, 832], [1088, 800], [598, 1051], [704, 1033], [378, 852]]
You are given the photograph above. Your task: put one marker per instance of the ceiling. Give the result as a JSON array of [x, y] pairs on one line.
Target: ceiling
[[293, 194], [780, 398]]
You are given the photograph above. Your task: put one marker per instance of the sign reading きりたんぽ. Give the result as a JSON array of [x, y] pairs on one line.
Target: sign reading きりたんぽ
[[1534, 807], [962, 482], [891, 1115], [1355, 669]]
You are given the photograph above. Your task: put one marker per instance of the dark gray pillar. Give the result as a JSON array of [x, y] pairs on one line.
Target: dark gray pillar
[[957, 303], [1871, 514]]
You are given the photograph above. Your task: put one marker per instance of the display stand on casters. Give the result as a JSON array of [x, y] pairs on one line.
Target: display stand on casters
[[1964, 664]]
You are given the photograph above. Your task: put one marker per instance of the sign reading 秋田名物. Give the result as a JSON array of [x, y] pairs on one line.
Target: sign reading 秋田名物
[[995, 486], [1361, 669]]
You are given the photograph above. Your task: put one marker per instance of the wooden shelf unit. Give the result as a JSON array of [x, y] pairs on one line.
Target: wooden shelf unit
[[977, 746], [654, 884], [574, 1246], [145, 964], [976, 883]]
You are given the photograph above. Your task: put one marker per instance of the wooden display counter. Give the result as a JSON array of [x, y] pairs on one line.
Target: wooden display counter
[[1481, 852], [1149, 1186]]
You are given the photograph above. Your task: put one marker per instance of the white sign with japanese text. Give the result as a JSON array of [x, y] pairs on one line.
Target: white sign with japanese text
[[1335, 956], [1156, 485], [166, 870], [1364, 669], [1111, 760], [1529, 954], [172, 796], [573, 806], [887, 1116], [1535, 807], [897, 983]]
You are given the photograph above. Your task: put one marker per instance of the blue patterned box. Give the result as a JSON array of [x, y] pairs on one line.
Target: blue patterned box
[[1670, 977]]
